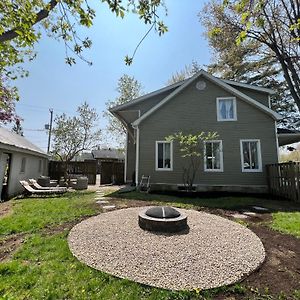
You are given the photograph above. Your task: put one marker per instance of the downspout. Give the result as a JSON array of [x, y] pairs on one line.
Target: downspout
[[277, 142], [125, 165], [137, 152]]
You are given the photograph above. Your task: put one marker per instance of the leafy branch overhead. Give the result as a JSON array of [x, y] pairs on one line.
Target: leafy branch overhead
[[22, 21]]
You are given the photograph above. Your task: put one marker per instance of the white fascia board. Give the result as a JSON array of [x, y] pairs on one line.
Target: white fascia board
[[145, 97], [219, 82], [250, 86]]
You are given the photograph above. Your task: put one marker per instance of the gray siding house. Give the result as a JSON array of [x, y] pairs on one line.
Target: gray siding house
[[19, 160], [239, 113]]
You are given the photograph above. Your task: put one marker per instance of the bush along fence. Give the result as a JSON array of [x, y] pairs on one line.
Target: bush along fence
[[284, 180]]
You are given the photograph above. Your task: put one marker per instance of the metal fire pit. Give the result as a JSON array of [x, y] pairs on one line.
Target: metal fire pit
[[162, 219]]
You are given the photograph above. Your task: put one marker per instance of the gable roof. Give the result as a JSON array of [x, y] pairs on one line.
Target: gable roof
[[145, 97], [220, 83], [250, 86], [19, 143], [179, 83]]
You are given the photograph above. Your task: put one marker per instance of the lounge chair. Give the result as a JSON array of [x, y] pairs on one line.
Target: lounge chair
[[35, 184], [31, 191]]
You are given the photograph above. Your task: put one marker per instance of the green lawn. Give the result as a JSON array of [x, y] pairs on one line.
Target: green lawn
[[33, 214], [287, 222], [44, 268]]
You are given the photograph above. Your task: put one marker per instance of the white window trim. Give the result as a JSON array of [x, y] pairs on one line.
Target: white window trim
[[221, 157], [259, 156], [156, 156], [219, 118]]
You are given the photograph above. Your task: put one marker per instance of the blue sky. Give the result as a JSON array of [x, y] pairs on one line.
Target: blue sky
[[53, 84]]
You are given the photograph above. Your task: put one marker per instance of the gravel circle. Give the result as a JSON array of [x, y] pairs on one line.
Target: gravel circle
[[212, 253]]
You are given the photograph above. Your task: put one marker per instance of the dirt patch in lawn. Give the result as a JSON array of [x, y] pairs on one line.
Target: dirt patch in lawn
[[281, 269], [5, 209], [9, 245]]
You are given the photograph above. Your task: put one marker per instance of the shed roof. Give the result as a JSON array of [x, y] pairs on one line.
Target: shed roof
[[108, 154], [18, 143]]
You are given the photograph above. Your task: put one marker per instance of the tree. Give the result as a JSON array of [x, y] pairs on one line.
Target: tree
[[72, 135], [128, 88], [22, 21], [274, 25], [8, 97], [188, 71], [248, 62], [17, 128], [191, 148]]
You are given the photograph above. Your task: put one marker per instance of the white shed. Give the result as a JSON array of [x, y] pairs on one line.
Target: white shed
[[19, 160]]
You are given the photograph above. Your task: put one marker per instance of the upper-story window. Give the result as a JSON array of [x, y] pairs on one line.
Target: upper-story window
[[251, 156], [164, 156], [226, 109]]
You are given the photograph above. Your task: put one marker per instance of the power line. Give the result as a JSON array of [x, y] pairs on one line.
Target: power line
[[34, 107]]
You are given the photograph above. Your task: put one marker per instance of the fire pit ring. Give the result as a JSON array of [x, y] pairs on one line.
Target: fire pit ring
[[162, 219]]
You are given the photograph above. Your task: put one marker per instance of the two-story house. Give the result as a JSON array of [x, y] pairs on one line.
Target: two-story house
[[239, 113]]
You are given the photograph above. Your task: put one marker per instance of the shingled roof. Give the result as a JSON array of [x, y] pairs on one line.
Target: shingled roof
[[15, 142], [108, 154]]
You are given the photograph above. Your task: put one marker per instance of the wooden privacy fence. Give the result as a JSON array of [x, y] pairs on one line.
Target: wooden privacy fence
[[112, 172], [84, 168], [284, 180]]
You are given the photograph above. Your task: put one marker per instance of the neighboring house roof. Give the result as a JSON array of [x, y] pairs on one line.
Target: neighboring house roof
[[15, 142], [220, 83], [108, 154], [83, 156], [285, 130], [287, 136], [178, 84]]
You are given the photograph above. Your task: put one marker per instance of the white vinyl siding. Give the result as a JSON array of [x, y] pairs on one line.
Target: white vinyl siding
[[251, 155], [226, 109], [213, 156], [164, 156]]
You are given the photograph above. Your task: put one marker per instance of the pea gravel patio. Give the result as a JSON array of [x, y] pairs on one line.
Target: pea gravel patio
[[214, 252]]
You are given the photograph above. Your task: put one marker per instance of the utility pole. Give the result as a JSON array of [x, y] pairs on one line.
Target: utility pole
[[50, 129]]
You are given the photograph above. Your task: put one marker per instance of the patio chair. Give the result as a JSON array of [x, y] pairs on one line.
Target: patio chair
[[35, 184], [31, 191]]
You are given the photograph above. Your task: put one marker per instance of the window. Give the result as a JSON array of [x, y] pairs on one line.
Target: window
[[213, 156], [164, 156], [226, 109], [251, 156], [40, 166], [23, 165]]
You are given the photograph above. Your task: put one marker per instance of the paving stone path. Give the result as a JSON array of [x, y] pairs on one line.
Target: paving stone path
[[103, 201]]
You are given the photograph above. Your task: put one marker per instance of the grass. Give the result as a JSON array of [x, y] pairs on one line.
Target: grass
[[44, 268], [287, 222], [32, 214], [227, 202]]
